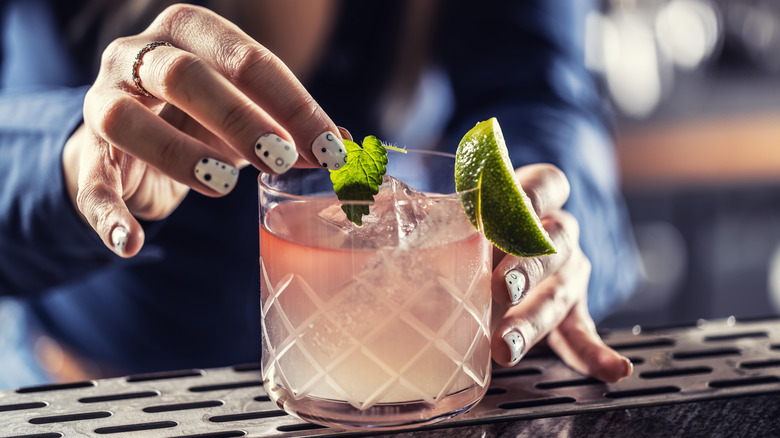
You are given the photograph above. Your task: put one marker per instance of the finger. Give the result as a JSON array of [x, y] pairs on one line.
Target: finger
[[344, 133], [124, 122], [99, 199], [524, 325], [192, 85], [257, 72], [546, 186], [514, 277], [579, 345]]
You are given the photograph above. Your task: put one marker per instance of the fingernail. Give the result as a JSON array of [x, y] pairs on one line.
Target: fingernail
[[217, 175], [344, 133], [329, 150], [276, 152], [629, 366], [515, 284], [516, 345], [119, 239]]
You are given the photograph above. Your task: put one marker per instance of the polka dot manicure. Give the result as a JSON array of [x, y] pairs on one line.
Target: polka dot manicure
[[276, 153], [329, 150], [516, 344], [515, 284], [216, 175]]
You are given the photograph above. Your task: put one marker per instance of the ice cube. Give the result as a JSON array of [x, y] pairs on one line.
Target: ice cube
[[399, 217]]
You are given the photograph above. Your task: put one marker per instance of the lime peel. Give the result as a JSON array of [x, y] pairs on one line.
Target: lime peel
[[492, 198], [478, 206]]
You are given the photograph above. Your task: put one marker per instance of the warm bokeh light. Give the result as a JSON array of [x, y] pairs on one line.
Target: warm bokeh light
[[687, 32], [636, 44], [696, 88]]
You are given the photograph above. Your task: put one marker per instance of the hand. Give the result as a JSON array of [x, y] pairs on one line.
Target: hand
[[547, 296], [221, 102]]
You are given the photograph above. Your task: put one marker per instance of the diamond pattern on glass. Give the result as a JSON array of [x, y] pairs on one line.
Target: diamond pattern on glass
[[296, 371], [431, 374], [393, 345], [401, 345], [299, 308], [362, 378], [434, 310], [274, 329], [325, 340]]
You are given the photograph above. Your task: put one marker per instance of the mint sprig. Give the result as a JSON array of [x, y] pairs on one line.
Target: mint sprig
[[360, 177]]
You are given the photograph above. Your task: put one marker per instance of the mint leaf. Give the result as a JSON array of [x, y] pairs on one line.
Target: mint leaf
[[360, 177]]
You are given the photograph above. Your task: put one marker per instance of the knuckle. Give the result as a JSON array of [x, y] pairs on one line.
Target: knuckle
[[175, 16], [168, 156], [244, 63], [176, 65], [553, 302], [536, 198], [84, 196], [92, 101], [545, 184], [304, 113], [554, 177], [236, 120], [563, 227], [112, 114], [577, 276], [89, 201], [554, 223], [115, 51], [552, 171], [559, 299], [174, 69], [535, 270]]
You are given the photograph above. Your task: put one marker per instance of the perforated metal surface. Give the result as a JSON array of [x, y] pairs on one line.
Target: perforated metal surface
[[714, 360]]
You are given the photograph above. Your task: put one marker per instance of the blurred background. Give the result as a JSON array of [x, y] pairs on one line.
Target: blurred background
[[696, 85]]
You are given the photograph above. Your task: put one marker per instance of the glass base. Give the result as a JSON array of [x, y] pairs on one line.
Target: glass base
[[381, 416]]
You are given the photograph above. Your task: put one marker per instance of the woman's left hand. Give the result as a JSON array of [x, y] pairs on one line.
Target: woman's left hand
[[547, 296]]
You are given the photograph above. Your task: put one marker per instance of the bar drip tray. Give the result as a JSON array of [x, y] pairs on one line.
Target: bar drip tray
[[716, 359]]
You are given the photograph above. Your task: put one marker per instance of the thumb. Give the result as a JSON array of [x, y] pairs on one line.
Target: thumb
[[99, 199]]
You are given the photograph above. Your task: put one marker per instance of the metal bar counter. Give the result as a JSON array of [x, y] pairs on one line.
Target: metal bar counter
[[719, 378]]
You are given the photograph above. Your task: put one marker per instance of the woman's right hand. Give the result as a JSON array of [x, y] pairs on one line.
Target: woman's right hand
[[221, 101]]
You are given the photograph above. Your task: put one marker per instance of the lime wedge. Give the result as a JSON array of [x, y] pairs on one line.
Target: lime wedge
[[497, 206]]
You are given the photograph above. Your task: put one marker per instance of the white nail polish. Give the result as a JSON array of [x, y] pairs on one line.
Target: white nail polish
[[276, 152], [515, 284], [329, 150], [215, 174], [119, 239], [516, 345]]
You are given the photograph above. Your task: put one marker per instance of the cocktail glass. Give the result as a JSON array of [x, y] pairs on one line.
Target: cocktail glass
[[381, 326]]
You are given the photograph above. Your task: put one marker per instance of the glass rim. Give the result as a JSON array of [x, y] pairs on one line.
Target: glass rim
[[263, 185]]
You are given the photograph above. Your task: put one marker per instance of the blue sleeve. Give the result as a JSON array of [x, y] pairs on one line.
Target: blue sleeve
[[43, 241], [523, 62]]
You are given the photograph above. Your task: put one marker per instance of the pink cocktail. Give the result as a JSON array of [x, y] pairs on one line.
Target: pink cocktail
[[381, 326]]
